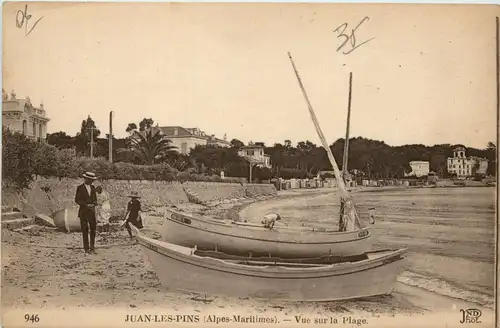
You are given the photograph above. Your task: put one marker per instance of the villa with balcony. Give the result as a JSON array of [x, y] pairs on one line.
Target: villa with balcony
[[255, 154], [21, 116], [466, 166]]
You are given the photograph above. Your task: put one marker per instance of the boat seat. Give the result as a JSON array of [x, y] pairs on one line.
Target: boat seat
[[318, 260]]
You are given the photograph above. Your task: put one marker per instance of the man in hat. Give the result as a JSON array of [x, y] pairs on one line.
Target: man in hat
[[86, 198]]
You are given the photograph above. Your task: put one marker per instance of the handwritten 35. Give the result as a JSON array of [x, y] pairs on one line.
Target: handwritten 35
[[346, 37]]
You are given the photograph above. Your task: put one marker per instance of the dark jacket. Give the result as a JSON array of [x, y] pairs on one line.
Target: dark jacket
[[82, 198], [133, 207]]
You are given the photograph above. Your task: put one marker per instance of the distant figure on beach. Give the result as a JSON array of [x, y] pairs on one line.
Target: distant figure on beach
[[104, 208], [270, 219], [86, 198], [133, 213], [371, 215]]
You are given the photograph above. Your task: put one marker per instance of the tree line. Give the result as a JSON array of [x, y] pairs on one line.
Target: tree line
[[369, 158]]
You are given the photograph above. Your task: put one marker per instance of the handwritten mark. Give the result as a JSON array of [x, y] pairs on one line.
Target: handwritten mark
[[22, 19], [341, 34]]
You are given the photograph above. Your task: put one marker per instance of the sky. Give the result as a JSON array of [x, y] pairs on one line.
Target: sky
[[426, 75]]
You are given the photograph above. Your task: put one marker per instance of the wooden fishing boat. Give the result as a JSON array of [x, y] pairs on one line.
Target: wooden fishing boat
[[324, 278], [241, 238], [67, 220]]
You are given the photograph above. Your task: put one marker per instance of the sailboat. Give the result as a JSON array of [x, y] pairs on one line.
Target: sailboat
[[351, 238], [295, 265]]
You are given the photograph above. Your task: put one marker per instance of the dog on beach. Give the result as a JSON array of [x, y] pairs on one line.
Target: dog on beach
[[270, 219]]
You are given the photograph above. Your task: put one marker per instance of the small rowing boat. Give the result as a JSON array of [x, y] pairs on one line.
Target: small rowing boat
[[325, 278]]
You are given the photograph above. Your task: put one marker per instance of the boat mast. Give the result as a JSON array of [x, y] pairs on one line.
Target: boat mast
[[320, 133], [346, 143], [348, 208]]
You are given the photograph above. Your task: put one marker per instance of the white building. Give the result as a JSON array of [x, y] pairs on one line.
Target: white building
[[255, 154], [21, 116], [419, 169], [185, 139], [464, 166]]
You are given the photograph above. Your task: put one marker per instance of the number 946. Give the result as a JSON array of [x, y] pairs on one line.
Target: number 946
[[31, 317]]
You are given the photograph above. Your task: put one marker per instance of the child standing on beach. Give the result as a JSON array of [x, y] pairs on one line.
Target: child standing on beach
[[133, 213], [103, 209]]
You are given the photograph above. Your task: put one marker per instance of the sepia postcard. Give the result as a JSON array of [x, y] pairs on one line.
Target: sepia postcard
[[249, 164]]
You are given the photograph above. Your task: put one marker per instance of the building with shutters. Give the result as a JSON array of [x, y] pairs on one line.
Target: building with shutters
[[464, 166], [185, 139], [20, 115]]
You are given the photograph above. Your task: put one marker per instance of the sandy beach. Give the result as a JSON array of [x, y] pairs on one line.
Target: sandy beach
[[449, 234]]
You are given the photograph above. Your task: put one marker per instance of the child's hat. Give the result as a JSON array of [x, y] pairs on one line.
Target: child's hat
[[134, 194]]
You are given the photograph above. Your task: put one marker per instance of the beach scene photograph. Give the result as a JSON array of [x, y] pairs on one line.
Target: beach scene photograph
[[223, 164]]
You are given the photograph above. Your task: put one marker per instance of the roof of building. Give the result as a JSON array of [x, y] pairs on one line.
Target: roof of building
[[170, 132], [252, 146], [477, 158], [24, 105], [214, 140]]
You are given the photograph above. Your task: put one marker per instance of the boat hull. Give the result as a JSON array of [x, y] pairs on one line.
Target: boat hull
[[67, 220], [189, 230], [182, 271]]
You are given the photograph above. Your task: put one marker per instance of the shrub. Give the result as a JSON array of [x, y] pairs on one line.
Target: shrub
[[184, 176], [234, 180], [169, 175], [45, 160], [287, 173], [18, 159], [66, 165], [24, 158], [262, 173]]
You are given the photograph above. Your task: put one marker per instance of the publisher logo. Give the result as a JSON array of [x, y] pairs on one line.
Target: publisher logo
[[470, 316]]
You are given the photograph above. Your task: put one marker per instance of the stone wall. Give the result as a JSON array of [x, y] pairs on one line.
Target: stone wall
[[49, 195], [259, 190], [207, 192], [215, 192]]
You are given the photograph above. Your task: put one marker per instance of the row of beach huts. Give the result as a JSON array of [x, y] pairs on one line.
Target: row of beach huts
[[282, 184]]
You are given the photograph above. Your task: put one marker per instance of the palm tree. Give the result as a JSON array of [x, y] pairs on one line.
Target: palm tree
[[131, 127], [178, 161], [150, 145]]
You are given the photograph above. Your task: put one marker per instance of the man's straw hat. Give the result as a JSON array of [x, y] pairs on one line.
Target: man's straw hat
[[89, 175]]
